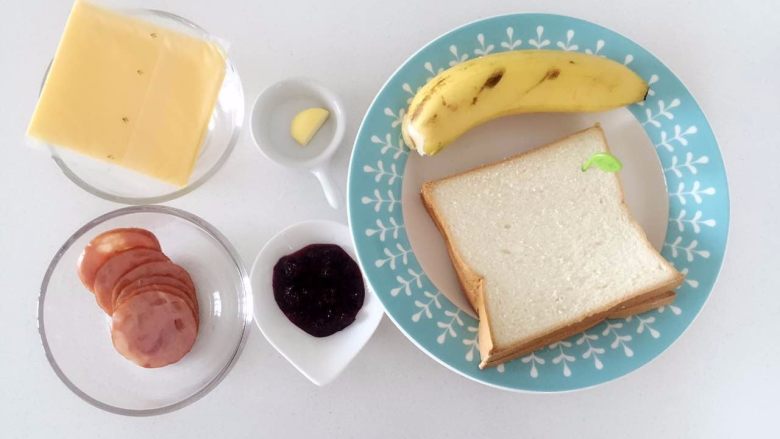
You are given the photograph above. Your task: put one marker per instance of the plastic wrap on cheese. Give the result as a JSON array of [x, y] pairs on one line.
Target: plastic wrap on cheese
[[129, 92]]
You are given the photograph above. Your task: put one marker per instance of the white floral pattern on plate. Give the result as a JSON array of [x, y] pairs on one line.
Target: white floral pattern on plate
[[695, 241]]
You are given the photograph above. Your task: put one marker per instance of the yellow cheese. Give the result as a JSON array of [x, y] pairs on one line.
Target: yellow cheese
[[129, 92], [306, 123]]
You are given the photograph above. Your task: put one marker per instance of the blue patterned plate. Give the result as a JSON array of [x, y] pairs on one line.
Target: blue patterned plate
[[695, 234]]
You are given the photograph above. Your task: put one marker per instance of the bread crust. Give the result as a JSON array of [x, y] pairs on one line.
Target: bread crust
[[494, 356], [627, 309], [472, 283]]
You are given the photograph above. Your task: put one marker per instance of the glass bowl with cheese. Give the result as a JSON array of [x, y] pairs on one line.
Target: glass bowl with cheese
[[137, 106]]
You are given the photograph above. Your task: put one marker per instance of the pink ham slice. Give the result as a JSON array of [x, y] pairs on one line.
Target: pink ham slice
[[159, 283], [168, 269], [115, 267], [153, 329], [108, 244]]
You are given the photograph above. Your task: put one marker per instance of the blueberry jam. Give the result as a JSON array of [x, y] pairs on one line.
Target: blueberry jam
[[319, 288]]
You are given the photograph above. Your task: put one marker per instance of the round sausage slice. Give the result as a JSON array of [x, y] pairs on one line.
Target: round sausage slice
[[157, 268], [106, 245], [158, 283], [116, 267], [153, 329]]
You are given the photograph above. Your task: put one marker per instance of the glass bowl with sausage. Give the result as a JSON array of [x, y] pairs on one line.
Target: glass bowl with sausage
[[144, 310]]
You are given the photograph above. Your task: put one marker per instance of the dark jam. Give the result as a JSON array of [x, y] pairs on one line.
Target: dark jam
[[319, 288]]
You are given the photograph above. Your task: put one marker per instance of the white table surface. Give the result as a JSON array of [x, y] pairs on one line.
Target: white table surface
[[719, 380]]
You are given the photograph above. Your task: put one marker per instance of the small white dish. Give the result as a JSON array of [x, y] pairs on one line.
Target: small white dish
[[321, 360], [272, 113]]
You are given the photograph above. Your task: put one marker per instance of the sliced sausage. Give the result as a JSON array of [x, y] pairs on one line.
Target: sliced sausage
[[158, 283], [115, 267], [153, 329], [107, 244], [157, 268]]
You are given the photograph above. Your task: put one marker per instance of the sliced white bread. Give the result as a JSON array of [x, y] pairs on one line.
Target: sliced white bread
[[544, 250]]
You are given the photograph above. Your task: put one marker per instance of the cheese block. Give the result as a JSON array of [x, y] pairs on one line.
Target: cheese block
[[306, 123], [129, 92]]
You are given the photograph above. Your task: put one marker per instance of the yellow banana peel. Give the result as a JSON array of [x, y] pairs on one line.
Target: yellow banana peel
[[528, 81]]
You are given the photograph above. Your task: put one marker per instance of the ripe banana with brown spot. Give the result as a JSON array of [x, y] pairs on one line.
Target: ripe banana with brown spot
[[528, 81]]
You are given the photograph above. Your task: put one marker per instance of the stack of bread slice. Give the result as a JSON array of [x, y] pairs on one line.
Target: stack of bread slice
[[544, 250]]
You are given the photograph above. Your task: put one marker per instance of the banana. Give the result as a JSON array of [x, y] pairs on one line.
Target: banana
[[528, 81]]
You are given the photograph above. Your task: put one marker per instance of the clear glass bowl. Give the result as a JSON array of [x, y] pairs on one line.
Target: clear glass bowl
[[116, 184], [75, 332]]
